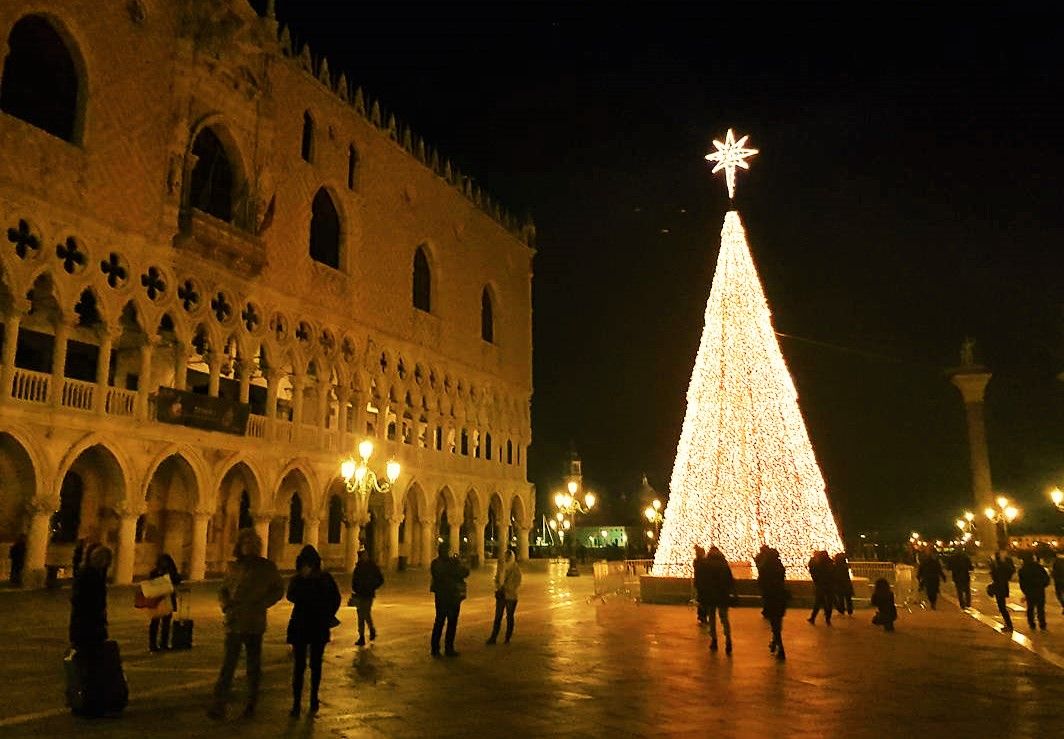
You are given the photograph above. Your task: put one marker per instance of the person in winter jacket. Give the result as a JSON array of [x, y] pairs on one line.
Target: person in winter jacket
[[365, 581], [315, 600], [771, 581], [843, 584], [883, 601], [931, 577], [164, 565], [88, 601], [719, 591], [1001, 571], [1033, 582], [251, 585], [823, 574], [507, 583], [449, 588], [960, 566]]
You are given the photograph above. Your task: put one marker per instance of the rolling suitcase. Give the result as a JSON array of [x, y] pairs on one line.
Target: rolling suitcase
[[181, 628], [95, 682]]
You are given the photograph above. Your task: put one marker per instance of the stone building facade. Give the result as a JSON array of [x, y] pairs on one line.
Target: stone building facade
[[194, 214]]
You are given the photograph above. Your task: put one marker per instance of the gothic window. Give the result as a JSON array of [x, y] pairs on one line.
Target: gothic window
[[487, 446], [211, 182], [295, 520], [352, 167], [325, 231], [465, 443], [307, 149], [487, 317], [422, 281], [336, 519], [509, 452], [40, 83]]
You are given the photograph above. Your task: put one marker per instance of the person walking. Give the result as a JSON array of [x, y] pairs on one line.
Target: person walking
[[164, 565], [251, 585], [960, 567], [701, 582], [507, 583], [79, 555], [1001, 571], [88, 602], [883, 601], [931, 577], [823, 575], [1057, 569], [449, 587], [1033, 582], [771, 581], [719, 591], [17, 555], [843, 584], [365, 581], [315, 600]]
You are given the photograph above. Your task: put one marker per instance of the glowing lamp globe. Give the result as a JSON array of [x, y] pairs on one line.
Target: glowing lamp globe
[[347, 469], [572, 487], [365, 449], [392, 471]]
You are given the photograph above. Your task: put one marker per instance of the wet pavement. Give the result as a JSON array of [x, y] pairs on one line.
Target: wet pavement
[[578, 666]]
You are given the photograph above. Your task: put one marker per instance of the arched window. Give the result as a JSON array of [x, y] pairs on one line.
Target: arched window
[[465, 442], [324, 231], [487, 317], [295, 520], [40, 83], [211, 184], [307, 148], [336, 519], [509, 452], [487, 446], [352, 167], [422, 281]]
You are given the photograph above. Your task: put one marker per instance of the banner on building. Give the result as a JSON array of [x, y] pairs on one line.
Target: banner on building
[[201, 411]]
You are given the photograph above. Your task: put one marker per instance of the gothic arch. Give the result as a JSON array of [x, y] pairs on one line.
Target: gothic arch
[[117, 456], [217, 180], [326, 244], [195, 463], [302, 475], [424, 280], [243, 466]]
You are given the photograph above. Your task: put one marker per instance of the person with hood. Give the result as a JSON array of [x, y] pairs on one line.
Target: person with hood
[[771, 581], [960, 567], [719, 591], [449, 588], [700, 581], [315, 600], [843, 584], [507, 583], [1033, 582], [88, 601], [164, 565], [251, 585], [365, 581], [1001, 571], [931, 577], [823, 575], [883, 601]]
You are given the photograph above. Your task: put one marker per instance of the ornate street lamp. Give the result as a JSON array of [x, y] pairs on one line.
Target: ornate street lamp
[[1057, 496], [570, 503], [653, 515], [1005, 514], [966, 526], [359, 478]]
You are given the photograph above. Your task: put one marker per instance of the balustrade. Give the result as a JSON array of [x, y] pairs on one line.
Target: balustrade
[[256, 427], [30, 386], [77, 394], [121, 402]]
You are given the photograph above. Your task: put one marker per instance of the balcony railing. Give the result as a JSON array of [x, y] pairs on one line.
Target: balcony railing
[[78, 394], [30, 386], [256, 428], [120, 402]]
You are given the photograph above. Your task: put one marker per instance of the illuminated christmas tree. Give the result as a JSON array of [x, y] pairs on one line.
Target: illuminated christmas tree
[[745, 473]]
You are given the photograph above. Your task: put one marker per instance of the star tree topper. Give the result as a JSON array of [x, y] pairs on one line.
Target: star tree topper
[[729, 155]]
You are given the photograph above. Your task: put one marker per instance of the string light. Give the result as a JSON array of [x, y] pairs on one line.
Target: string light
[[745, 473]]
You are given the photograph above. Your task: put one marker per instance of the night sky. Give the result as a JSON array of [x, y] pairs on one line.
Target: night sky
[[907, 194]]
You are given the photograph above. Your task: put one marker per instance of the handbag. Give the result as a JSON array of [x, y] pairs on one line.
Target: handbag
[[991, 590], [157, 586]]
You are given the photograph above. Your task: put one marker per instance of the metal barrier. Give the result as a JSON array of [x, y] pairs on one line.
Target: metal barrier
[[620, 577]]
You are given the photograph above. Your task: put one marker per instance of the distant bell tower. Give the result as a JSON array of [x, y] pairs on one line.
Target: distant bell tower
[[574, 471]]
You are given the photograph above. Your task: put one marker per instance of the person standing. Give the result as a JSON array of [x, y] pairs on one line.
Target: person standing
[[843, 584], [449, 587], [315, 600], [823, 575], [17, 555], [960, 566], [719, 590], [507, 583], [771, 580], [79, 555], [1058, 578], [365, 581], [931, 577], [1001, 571], [164, 565], [700, 581], [88, 602], [251, 585], [1033, 582]]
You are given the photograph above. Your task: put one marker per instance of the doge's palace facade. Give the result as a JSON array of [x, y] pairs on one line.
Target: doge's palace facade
[[200, 223]]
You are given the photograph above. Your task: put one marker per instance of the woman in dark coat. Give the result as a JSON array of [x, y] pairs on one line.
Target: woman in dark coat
[[164, 565], [315, 600], [843, 584], [1001, 571], [931, 577], [823, 574], [719, 590], [88, 601], [771, 580]]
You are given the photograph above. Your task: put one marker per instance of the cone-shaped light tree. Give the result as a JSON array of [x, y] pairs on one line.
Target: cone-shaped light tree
[[745, 473]]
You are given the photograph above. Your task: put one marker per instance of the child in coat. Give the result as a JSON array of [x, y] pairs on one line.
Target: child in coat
[[883, 600]]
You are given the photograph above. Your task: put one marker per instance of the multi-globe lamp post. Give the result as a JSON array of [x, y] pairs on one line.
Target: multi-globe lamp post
[[966, 526], [654, 517], [359, 478], [1057, 496], [1001, 517], [570, 503]]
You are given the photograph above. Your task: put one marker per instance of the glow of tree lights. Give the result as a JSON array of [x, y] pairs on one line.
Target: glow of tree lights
[[745, 473]]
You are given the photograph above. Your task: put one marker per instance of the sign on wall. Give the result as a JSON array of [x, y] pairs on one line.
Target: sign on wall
[[201, 411]]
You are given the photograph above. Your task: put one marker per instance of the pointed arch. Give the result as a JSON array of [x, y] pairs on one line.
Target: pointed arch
[[306, 148], [111, 456], [242, 466], [325, 230], [421, 286], [195, 463], [487, 315]]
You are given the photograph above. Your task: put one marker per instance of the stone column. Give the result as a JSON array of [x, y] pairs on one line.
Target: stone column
[[214, 364], [393, 541], [455, 538], [7, 370], [343, 397], [971, 382], [37, 543], [522, 543], [59, 355], [351, 532], [144, 378], [478, 540], [262, 528], [125, 557], [197, 568], [180, 366], [103, 366], [273, 380], [299, 381], [311, 527], [243, 371], [428, 540]]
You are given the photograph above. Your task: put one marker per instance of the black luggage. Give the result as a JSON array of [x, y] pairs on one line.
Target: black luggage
[[181, 628], [95, 682]]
